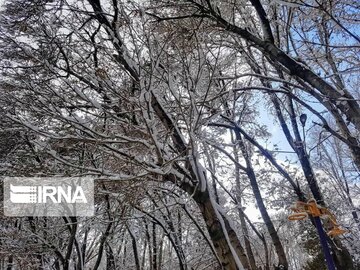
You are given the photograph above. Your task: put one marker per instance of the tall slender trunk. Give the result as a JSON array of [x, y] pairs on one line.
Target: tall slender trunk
[[224, 238], [226, 243], [245, 232], [342, 179], [244, 229], [10, 263], [170, 234], [103, 240], [110, 258], [341, 255], [261, 237], [154, 247], [135, 248], [262, 208], [161, 251], [148, 238], [144, 254]]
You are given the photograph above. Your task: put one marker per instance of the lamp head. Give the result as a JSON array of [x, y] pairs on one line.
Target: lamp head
[[303, 118]]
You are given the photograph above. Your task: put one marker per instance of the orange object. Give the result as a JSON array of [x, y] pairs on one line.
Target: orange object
[[336, 231], [302, 210], [298, 216], [313, 208]]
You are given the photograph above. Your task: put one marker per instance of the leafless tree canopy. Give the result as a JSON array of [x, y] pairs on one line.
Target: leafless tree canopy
[[187, 113]]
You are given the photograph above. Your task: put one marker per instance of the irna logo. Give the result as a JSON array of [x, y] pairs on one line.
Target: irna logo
[[46, 194]]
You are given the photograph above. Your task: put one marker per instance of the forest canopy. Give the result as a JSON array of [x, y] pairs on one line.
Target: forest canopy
[[202, 121]]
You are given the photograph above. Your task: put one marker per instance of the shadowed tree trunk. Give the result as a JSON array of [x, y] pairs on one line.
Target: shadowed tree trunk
[[262, 208], [135, 249], [245, 231], [341, 255], [224, 238]]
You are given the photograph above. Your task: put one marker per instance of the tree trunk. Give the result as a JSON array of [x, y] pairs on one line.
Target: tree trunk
[[135, 249], [342, 257], [228, 248], [263, 211], [244, 229], [110, 258], [245, 232], [154, 247], [224, 238]]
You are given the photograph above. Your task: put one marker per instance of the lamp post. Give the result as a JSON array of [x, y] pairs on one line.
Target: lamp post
[[316, 214], [302, 210]]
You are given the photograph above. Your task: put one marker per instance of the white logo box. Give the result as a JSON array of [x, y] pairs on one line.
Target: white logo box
[[48, 196]]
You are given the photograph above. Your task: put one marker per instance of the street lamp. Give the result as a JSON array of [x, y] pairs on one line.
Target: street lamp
[[303, 118], [311, 208]]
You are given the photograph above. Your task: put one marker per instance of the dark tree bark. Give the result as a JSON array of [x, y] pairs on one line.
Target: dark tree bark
[[135, 248], [262, 208], [341, 255], [219, 233], [244, 228]]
